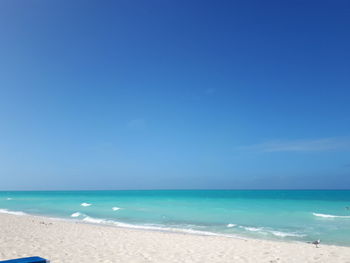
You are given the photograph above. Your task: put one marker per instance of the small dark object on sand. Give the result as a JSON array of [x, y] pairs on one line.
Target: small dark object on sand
[[27, 260], [316, 242]]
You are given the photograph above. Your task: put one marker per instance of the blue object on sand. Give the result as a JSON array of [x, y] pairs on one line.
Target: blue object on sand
[[26, 260]]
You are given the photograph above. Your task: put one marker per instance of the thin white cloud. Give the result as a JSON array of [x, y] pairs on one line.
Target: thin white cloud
[[315, 145]]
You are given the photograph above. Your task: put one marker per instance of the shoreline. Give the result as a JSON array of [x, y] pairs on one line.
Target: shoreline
[[115, 224], [121, 225], [64, 240]]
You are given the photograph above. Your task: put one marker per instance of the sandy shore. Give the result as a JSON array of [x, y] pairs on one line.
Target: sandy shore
[[65, 241]]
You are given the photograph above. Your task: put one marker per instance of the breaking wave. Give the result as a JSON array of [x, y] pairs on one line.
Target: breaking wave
[[286, 234], [267, 231], [329, 216], [252, 229], [18, 213], [76, 214], [93, 220]]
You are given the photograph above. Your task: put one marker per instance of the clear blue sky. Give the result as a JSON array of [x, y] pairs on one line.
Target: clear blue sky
[[136, 94]]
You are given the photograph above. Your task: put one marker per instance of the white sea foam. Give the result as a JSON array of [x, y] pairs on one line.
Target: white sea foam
[[329, 216], [93, 220], [115, 208], [252, 229], [231, 225], [76, 214], [8, 198], [85, 204], [18, 213], [171, 229], [285, 234], [197, 232], [266, 231]]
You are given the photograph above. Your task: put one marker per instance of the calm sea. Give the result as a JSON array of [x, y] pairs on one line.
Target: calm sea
[[273, 214]]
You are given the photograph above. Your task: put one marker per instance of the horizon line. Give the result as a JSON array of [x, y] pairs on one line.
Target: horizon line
[[204, 189]]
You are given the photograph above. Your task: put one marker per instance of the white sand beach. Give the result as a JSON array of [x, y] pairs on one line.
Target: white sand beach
[[68, 241]]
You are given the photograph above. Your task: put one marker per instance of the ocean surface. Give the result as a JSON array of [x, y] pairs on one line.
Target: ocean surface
[[289, 215]]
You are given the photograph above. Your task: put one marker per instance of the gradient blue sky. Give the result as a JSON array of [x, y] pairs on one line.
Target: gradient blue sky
[[136, 94]]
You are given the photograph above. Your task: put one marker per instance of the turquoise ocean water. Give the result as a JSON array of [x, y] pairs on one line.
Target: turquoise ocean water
[[277, 214]]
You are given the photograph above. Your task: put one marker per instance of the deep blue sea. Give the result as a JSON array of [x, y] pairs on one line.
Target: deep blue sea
[[290, 215]]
